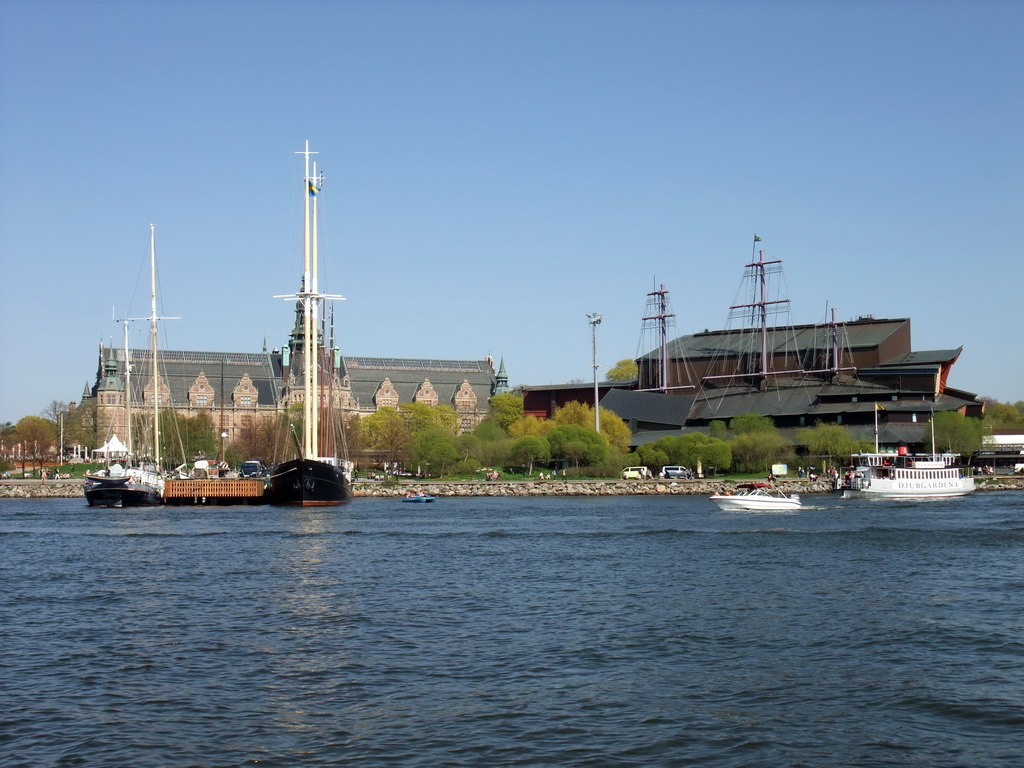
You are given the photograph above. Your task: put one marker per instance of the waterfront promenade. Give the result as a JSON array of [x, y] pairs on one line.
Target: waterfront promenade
[[68, 489]]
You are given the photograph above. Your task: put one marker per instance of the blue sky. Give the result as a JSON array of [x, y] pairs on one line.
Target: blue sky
[[497, 170]]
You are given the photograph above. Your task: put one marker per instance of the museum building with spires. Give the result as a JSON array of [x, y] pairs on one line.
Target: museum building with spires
[[236, 387]]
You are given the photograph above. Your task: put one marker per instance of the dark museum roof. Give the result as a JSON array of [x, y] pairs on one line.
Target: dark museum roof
[[865, 332]]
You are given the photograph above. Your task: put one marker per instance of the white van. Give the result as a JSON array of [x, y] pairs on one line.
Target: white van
[[636, 473], [680, 473]]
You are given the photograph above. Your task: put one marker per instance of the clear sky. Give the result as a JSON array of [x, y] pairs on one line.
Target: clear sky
[[497, 170]]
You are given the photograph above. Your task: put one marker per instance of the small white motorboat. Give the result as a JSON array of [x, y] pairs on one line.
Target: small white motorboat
[[756, 497]]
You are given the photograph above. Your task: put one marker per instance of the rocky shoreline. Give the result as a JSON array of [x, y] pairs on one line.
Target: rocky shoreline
[[571, 488], [70, 489]]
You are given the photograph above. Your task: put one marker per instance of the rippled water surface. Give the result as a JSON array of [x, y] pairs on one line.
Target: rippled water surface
[[509, 632]]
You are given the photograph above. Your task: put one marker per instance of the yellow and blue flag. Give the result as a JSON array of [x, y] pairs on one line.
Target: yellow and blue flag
[[312, 189]]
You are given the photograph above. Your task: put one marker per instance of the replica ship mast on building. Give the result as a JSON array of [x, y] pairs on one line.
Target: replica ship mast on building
[[311, 479], [763, 347]]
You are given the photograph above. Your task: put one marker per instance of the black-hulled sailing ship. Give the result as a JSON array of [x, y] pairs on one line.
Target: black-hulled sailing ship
[[312, 478]]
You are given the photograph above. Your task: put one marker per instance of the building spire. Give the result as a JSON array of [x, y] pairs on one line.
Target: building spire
[[501, 380]]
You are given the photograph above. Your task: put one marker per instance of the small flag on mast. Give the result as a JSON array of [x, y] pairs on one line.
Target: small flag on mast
[[757, 239], [312, 189], [878, 407]]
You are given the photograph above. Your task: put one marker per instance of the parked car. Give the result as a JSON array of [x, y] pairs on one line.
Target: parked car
[[636, 473], [682, 473], [251, 469]]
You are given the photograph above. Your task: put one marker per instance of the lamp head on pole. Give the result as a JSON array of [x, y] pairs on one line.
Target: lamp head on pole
[[594, 318]]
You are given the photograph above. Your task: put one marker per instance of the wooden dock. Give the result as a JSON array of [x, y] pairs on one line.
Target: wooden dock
[[215, 491]]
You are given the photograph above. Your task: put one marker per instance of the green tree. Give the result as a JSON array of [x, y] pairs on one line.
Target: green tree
[[489, 430], [184, 439], [574, 412], [652, 457], [696, 451], [386, 432], [624, 370], [674, 449], [530, 450], [718, 429], [956, 433], [506, 409], [757, 451], [831, 442], [614, 430], [494, 444], [421, 417], [470, 446], [752, 422], [578, 445], [530, 425], [713, 455], [1004, 415], [434, 451]]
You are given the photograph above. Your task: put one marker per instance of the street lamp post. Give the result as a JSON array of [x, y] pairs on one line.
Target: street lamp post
[[595, 320]]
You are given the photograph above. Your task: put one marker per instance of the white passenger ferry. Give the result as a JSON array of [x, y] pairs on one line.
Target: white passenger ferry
[[903, 476]]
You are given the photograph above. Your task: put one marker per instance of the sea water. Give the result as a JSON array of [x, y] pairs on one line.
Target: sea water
[[614, 631]]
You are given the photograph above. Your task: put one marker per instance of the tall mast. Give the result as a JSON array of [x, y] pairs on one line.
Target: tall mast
[[659, 300], [310, 296], [153, 317], [127, 386], [127, 390], [152, 338], [308, 331], [759, 309], [314, 312], [834, 339], [756, 315], [660, 320]]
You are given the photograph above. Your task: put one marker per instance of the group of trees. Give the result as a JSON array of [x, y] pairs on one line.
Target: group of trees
[[428, 439], [36, 440], [752, 443]]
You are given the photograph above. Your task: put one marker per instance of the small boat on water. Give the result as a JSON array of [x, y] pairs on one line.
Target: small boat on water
[[419, 497], [756, 497], [906, 476]]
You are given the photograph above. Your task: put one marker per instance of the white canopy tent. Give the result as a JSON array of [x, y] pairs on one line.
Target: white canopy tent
[[112, 449]]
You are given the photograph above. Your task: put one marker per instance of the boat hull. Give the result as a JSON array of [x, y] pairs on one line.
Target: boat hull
[[309, 483], [906, 476], [120, 492], [754, 504], [911, 489]]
